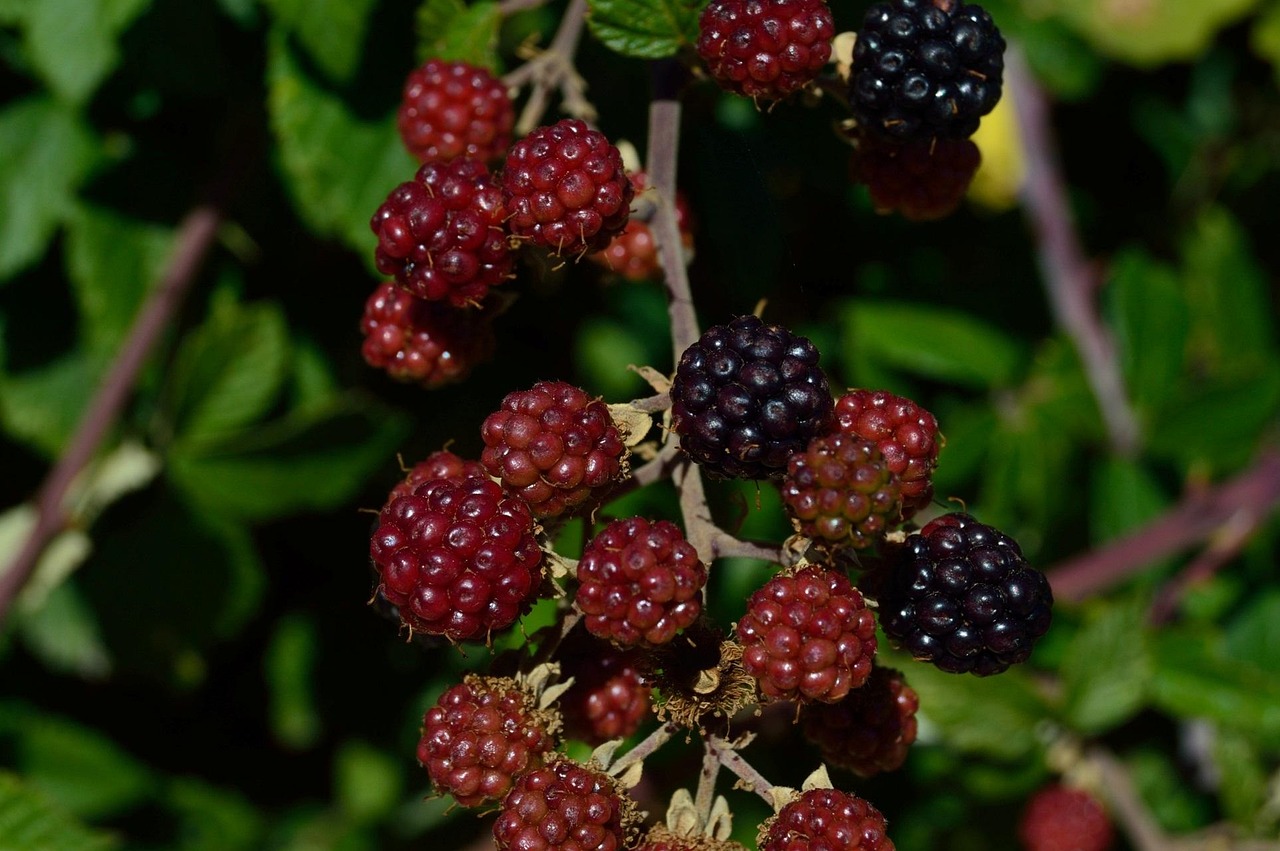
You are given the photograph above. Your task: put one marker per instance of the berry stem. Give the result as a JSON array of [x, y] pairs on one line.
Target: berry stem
[[724, 545], [507, 8], [699, 528], [553, 69], [644, 748], [1255, 491], [1225, 544], [194, 238], [707, 781], [655, 470], [752, 780], [1070, 278]]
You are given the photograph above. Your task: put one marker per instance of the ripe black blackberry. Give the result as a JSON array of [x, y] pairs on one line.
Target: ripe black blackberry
[[747, 396], [925, 69], [960, 595]]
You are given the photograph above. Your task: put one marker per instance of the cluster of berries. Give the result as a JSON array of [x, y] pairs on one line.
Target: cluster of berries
[[923, 74], [450, 235]]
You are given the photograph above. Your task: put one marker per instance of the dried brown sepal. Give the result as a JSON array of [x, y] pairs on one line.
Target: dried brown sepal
[[702, 678]]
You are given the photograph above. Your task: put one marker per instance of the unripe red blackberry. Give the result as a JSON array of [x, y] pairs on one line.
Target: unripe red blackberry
[[565, 188], [765, 48], [458, 557], [452, 109], [825, 820], [609, 698], [443, 234], [921, 181], [660, 838], [905, 434], [960, 595], [564, 806], [441, 464], [808, 635], [840, 492], [871, 730], [925, 69], [480, 734], [746, 397], [555, 447], [633, 254], [1060, 818], [428, 342], [639, 582]]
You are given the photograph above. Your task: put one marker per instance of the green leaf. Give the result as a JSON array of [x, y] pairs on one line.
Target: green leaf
[[1151, 34], [1254, 635], [332, 31], [993, 716], [42, 407], [603, 351], [290, 663], [944, 345], [368, 782], [319, 138], [72, 43], [449, 29], [1264, 38], [1218, 424], [1151, 319], [45, 153], [113, 262], [1164, 789], [63, 634], [646, 29], [196, 576], [1124, 495], [1242, 788], [213, 819], [310, 461], [79, 768], [1196, 677], [229, 371], [1107, 667], [1233, 326], [30, 822]]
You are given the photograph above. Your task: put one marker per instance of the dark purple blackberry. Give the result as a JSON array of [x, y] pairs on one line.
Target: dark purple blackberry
[[960, 595], [747, 396], [925, 69]]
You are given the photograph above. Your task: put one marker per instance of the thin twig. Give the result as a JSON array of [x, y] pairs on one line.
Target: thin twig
[[707, 782], [732, 760], [1132, 814], [553, 69], [724, 545], [699, 527], [655, 404], [1069, 277], [1225, 545], [644, 748], [507, 8], [1197, 517], [656, 470], [194, 238]]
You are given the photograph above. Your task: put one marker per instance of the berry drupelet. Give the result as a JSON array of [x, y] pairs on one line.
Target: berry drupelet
[[452, 109], [871, 730], [822, 819], [1061, 818], [564, 805], [840, 492], [960, 595], [747, 396], [905, 434], [427, 342], [921, 181], [442, 235], [925, 69], [765, 49]]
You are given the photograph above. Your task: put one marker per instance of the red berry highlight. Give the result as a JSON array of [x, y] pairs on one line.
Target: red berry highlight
[[905, 434], [452, 109], [765, 48]]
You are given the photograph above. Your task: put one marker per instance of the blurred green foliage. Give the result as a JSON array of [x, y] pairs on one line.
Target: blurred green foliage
[[193, 666]]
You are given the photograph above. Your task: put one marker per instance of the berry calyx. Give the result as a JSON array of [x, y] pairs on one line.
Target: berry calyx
[[905, 434], [453, 109], [840, 492], [661, 838], [871, 730], [921, 181], [427, 342], [565, 188], [639, 582], [457, 557], [746, 396], [822, 819], [442, 235], [480, 734], [808, 635], [1062, 818], [925, 69], [555, 447], [765, 48], [564, 806], [959, 594]]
